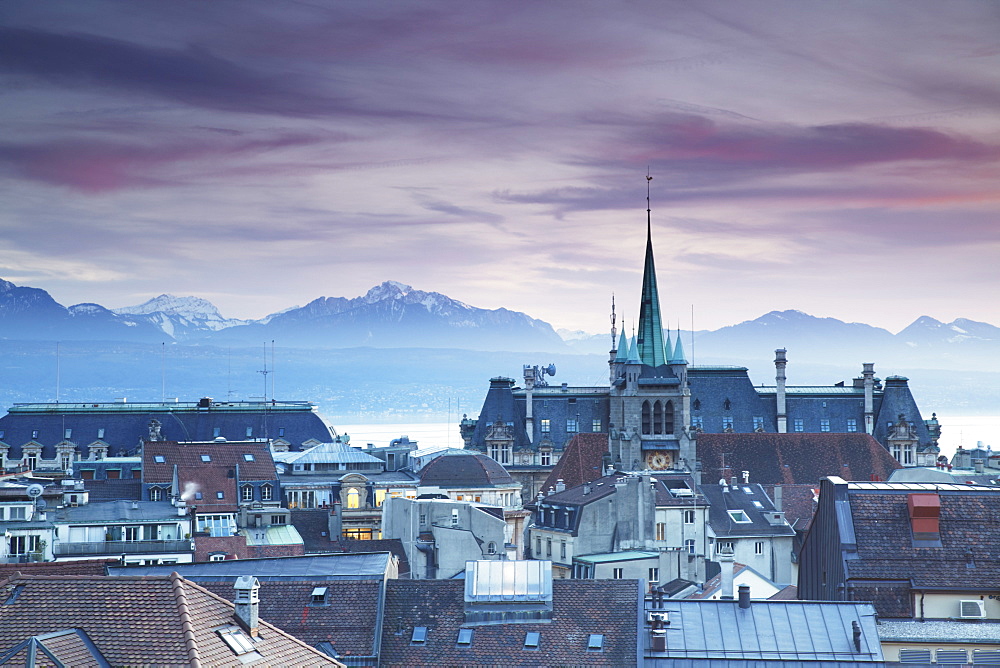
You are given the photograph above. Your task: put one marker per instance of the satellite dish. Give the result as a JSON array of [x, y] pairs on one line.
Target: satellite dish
[[34, 490], [551, 369], [41, 504]]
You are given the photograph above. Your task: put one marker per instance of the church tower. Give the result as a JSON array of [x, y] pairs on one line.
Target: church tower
[[649, 394]]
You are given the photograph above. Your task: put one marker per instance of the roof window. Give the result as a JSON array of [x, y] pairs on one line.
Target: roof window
[[206, 458], [464, 637], [531, 639], [238, 641], [739, 517], [159, 459], [248, 457], [319, 595], [220, 495], [419, 636], [595, 642]]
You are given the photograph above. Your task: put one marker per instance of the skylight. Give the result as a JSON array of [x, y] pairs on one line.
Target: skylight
[[248, 457], [419, 636], [319, 595], [739, 517], [531, 639], [595, 642], [159, 459], [465, 637], [238, 641], [206, 458]]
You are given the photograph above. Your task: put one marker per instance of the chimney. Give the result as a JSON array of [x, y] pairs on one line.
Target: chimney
[[925, 515], [746, 477], [869, 382], [980, 465], [334, 521], [560, 485], [744, 596], [727, 560], [586, 489], [181, 508], [856, 628], [659, 640], [247, 602], [734, 483], [779, 378]]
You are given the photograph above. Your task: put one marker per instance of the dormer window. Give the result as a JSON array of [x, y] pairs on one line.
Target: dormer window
[[246, 493], [319, 595]]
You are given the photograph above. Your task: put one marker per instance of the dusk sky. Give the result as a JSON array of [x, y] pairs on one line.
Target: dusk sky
[[842, 158]]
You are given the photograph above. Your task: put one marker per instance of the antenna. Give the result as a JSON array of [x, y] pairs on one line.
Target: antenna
[[265, 372], [692, 334], [648, 210], [163, 372], [57, 372], [272, 369], [614, 330]]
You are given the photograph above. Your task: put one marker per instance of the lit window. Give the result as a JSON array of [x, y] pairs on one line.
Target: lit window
[[247, 493], [596, 426], [159, 459], [798, 424], [571, 425], [824, 425], [852, 424], [688, 517], [546, 425], [465, 637], [595, 642], [206, 458], [353, 498], [248, 457], [531, 639]]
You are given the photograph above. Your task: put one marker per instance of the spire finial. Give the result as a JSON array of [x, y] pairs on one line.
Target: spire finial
[[648, 210], [614, 330]]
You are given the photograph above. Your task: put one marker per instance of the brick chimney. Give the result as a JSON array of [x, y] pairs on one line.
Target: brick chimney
[[247, 603], [925, 516]]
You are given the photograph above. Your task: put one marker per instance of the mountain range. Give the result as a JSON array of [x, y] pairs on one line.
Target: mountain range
[[394, 315]]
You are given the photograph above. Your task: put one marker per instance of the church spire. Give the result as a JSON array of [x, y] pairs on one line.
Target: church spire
[[650, 337]]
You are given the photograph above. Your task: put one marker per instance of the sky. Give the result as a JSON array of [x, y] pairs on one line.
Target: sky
[[840, 158]]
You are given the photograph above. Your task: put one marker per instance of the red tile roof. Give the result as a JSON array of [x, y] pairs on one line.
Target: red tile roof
[[581, 461], [224, 455]]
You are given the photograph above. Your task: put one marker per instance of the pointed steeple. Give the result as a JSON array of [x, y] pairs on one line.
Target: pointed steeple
[[633, 352], [650, 339], [621, 355], [668, 346], [678, 355]]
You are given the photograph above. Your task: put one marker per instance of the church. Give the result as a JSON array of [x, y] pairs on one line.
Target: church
[[656, 404]]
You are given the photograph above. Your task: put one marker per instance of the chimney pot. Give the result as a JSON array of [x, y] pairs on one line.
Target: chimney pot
[[560, 485], [247, 603], [744, 595], [659, 640]]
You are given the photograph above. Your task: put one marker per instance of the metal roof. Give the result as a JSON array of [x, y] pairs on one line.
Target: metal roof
[[327, 453], [348, 566], [770, 630], [615, 556]]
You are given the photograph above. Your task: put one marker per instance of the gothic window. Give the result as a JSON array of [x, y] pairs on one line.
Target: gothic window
[[697, 404], [727, 404], [645, 417], [668, 418], [657, 418]]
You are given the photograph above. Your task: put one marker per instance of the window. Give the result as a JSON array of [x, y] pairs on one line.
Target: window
[[318, 595], [852, 424], [722, 546], [246, 493], [617, 573], [654, 575], [353, 498], [131, 533], [546, 457], [824, 425], [689, 545], [668, 418], [646, 418], [278, 519], [739, 517], [727, 422], [18, 512], [236, 639], [217, 557], [419, 636], [220, 495], [562, 550], [159, 459], [216, 432], [266, 492], [688, 517], [67, 433], [155, 494], [548, 547], [727, 404], [281, 431], [546, 425], [249, 432], [661, 531], [531, 639], [464, 637], [595, 426], [100, 433], [491, 547], [798, 424], [657, 418], [538, 549], [697, 422], [248, 457], [217, 525], [595, 642], [758, 547], [206, 458], [696, 404], [571, 425], [758, 423], [34, 433]]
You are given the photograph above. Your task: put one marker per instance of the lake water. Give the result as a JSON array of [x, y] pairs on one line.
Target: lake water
[[955, 430]]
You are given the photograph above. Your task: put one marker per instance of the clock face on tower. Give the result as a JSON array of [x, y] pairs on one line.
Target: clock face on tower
[[657, 461]]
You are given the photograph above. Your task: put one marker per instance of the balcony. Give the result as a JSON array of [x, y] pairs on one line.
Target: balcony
[[119, 547]]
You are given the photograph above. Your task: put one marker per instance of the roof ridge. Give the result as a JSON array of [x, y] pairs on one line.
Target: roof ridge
[[180, 596]]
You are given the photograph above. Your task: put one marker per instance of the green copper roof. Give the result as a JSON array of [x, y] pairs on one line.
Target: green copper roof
[[678, 356], [622, 354], [633, 352], [650, 337]]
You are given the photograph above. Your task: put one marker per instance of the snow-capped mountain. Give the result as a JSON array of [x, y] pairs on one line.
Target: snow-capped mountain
[[182, 318]]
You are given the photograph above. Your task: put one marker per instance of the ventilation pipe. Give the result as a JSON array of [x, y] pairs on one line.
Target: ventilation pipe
[[744, 596]]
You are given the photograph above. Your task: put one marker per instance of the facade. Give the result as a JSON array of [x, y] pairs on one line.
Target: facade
[[655, 405], [54, 436], [918, 551], [440, 535]]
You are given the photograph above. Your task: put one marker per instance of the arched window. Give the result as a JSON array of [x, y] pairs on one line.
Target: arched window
[[645, 417], [491, 548], [668, 418], [697, 404], [353, 498], [657, 418], [727, 404]]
